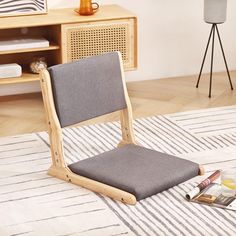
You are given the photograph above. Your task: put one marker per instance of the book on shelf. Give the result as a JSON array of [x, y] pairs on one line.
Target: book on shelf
[[21, 43], [10, 70]]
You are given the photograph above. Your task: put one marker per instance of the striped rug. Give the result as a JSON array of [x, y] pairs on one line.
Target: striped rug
[[33, 203]]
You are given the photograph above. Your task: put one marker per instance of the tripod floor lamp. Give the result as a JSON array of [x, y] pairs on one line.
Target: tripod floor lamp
[[214, 13]]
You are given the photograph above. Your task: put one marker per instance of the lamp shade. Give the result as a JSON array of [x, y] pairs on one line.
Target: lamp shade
[[215, 11]]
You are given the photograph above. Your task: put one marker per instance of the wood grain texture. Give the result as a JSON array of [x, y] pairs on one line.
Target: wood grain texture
[[126, 115], [25, 113], [54, 128], [26, 77], [112, 192], [51, 47], [65, 16]]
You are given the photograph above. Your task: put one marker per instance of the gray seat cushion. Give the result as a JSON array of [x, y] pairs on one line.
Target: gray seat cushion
[[137, 170]]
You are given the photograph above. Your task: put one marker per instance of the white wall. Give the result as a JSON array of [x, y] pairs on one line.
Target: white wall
[[171, 37]]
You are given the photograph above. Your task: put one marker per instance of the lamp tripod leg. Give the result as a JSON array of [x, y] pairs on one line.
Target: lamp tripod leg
[[204, 57], [231, 85], [212, 57]]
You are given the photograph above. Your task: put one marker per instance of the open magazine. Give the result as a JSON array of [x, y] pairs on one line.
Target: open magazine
[[213, 195]]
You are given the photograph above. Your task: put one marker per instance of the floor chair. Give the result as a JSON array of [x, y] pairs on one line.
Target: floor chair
[[91, 87]]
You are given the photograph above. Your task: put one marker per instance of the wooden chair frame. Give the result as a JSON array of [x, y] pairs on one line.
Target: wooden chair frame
[[59, 168]]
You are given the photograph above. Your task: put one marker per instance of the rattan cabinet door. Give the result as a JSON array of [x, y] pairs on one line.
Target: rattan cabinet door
[[93, 38]]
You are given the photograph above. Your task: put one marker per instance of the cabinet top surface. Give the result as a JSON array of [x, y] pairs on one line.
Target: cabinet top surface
[[63, 16]]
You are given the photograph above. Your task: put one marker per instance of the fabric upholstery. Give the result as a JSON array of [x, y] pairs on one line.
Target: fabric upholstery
[[137, 170], [87, 88]]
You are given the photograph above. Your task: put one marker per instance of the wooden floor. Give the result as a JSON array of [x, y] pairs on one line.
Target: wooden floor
[[25, 114]]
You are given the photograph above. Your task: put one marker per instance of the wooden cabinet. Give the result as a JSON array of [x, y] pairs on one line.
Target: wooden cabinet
[[24, 57], [71, 37]]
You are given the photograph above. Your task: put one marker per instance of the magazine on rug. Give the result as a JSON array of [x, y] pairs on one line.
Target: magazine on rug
[[213, 194]]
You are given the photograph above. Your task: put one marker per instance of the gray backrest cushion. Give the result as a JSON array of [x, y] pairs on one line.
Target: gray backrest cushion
[[87, 88]]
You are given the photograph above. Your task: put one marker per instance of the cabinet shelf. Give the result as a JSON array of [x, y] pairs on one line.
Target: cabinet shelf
[[26, 77], [71, 37], [51, 47]]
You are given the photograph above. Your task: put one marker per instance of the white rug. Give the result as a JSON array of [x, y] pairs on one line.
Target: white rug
[[33, 203]]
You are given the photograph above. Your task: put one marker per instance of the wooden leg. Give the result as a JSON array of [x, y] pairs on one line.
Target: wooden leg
[[201, 170], [95, 186], [123, 143]]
